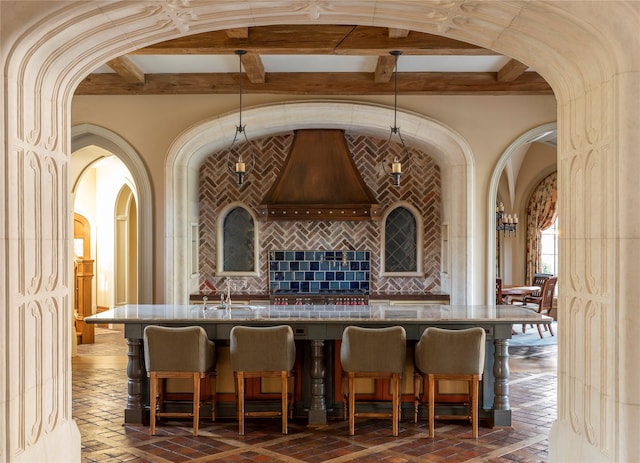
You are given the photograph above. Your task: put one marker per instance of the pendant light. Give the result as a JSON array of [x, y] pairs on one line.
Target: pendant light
[[235, 161], [400, 161]]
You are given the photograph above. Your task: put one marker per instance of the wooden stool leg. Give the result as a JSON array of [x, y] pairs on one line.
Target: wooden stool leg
[[352, 404], [292, 387], [395, 413], [474, 406], [284, 384], [153, 392], [416, 396], [196, 402], [344, 386], [432, 400], [240, 382], [213, 397]]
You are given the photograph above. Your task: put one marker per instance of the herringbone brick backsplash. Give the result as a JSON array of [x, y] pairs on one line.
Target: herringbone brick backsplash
[[420, 187]]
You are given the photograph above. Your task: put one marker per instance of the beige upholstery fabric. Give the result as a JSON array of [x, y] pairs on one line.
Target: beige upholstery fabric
[[178, 349], [262, 352], [373, 353], [455, 352], [449, 355], [178, 352], [373, 349], [270, 348]]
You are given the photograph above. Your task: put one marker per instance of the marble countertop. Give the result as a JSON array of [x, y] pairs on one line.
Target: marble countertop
[[176, 313]]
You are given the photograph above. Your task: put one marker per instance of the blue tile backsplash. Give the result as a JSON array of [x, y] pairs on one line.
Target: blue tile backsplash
[[312, 271]]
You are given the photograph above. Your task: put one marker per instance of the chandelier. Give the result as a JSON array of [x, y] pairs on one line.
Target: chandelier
[[395, 167], [235, 161], [505, 222]]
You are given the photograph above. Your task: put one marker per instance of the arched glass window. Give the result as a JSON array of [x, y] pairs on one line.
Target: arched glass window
[[238, 235], [400, 242]]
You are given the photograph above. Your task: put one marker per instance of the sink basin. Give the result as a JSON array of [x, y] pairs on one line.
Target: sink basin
[[234, 307], [235, 311]]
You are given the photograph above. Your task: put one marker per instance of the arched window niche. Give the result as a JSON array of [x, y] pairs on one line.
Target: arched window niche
[[237, 238], [401, 241]]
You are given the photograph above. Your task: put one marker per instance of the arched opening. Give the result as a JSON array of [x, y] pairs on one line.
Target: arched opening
[[450, 151], [103, 192], [106, 142], [509, 247], [585, 57], [126, 248]]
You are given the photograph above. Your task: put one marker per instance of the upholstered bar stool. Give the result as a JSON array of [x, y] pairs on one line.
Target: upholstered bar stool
[[183, 352], [259, 352], [378, 353], [449, 355]]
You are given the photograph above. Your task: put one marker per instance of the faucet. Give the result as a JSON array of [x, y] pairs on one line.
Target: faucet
[[226, 301]]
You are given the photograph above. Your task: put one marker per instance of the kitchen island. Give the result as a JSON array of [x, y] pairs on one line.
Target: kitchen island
[[317, 327]]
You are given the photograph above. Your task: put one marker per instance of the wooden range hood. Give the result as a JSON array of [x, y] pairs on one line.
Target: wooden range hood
[[319, 181]]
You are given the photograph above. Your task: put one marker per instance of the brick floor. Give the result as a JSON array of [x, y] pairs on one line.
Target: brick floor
[[99, 397]]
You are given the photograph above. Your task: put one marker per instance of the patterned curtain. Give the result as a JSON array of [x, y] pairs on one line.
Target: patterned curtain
[[541, 212], [498, 246]]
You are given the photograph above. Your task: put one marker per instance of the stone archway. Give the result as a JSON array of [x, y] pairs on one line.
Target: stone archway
[[590, 60], [447, 147], [527, 137], [84, 135]]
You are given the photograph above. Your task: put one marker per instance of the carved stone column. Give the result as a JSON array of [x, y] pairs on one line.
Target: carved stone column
[[501, 407], [134, 413], [318, 409]]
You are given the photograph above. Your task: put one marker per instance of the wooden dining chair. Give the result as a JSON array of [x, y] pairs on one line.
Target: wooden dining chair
[[500, 299], [543, 303], [538, 280]]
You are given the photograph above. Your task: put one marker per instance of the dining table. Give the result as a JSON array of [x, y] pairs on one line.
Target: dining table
[[518, 291]]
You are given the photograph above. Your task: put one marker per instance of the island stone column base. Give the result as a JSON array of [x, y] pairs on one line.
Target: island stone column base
[[502, 419], [135, 411], [318, 409], [501, 407]]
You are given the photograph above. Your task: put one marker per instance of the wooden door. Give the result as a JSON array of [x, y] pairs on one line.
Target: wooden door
[[83, 276]]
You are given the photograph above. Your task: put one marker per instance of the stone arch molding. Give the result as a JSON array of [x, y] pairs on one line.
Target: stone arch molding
[[590, 61], [84, 135], [189, 150], [529, 136]]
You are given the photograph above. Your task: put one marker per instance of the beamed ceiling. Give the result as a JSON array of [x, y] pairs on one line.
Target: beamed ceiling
[[314, 60]]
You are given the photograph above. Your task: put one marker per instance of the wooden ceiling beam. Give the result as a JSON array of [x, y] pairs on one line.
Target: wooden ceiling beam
[[314, 39], [254, 68], [398, 33], [384, 69], [297, 83], [238, 33], [511, 71], [127, 69]]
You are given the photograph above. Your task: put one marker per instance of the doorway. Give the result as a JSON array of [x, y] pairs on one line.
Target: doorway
[[126, 248], [105, 195]]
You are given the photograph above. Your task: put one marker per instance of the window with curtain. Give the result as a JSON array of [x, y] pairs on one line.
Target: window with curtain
[[238, 241], [541, 215], [549, 249]]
